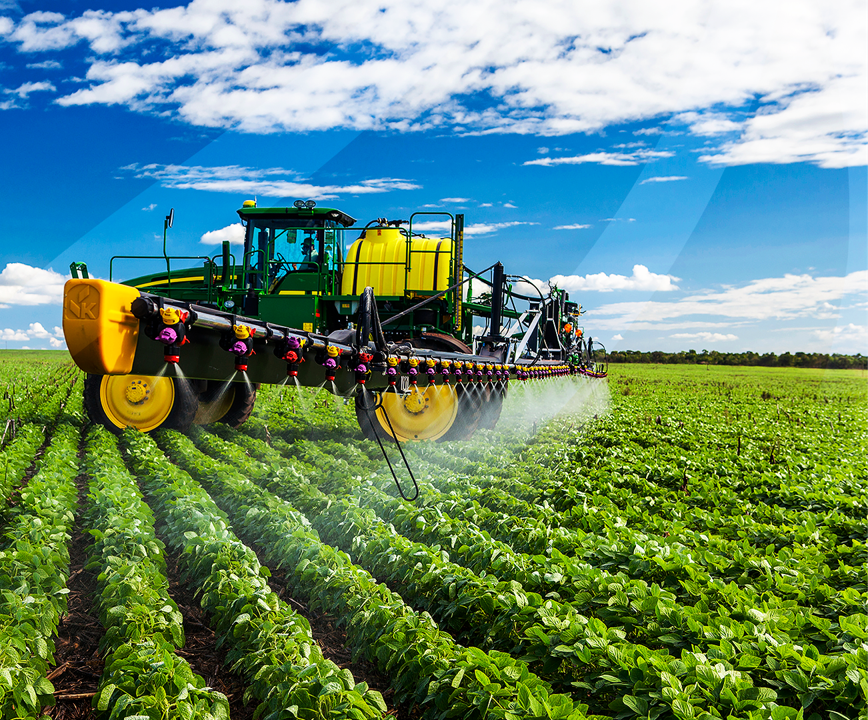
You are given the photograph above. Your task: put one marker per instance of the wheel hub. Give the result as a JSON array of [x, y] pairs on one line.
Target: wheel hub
[[137, 392], [415, 402]]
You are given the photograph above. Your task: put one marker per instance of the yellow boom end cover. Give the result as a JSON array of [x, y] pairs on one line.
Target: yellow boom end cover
[[99, 327]]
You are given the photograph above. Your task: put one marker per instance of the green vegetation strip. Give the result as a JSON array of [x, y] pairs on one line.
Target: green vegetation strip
[[143, 675], [428, 667], [269, 643], [34, 566]]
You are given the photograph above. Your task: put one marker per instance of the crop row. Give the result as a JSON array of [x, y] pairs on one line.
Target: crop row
[[503, 615], [34, 565], [746, 632], [428, 668], [142, 676], [269, 643]]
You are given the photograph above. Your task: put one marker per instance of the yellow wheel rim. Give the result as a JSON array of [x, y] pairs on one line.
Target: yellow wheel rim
[[420, 414], [139, 401]]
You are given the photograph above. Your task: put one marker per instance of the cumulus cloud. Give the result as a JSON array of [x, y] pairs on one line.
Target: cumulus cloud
[[15, 335], [268, 182], [706, 336], [233, 233], [779, 298], [36, 331], [569, 67], [617, 337], [641, 279], [22, 284]]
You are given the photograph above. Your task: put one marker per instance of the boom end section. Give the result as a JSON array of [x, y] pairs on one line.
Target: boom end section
[[99, 326]]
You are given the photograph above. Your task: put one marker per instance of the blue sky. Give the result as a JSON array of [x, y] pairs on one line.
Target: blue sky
[[695, 176]]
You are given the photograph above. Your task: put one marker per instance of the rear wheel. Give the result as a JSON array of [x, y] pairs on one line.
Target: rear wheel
[[144, 402], [439, 412]]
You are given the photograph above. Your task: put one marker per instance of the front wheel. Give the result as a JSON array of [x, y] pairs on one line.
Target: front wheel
[[143, 402], [228, 403]]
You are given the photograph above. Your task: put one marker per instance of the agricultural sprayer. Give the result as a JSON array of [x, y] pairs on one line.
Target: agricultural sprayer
[[425, 347]]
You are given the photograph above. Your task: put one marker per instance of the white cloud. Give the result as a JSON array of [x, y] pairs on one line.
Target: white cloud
[[233, 233], [571, 227], [706, 336], [455, 200], [44, 65], [617, 337], [570, 66], [663, 178], [24, 90], [443, 226], [844, 336], [10, 334], [485, 205], [150, 207], [709, 123], [780, 298], [258, 181], [36, 330], [510, 205], [604, 158], [22, 284], [641, 279]]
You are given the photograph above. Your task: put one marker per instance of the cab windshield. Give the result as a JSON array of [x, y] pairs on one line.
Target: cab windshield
[[274, 247]]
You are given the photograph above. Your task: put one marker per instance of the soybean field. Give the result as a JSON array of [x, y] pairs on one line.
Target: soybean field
[[673, 542]]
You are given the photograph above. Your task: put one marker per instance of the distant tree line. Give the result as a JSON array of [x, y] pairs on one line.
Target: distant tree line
[[713, 357]]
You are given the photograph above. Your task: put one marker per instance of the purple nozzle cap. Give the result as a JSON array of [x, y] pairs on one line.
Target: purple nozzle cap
[[331, 363], [430, 371], [361, 369], [238, 348], [412, 371], [167, 336], [293, 343], [391, 371]]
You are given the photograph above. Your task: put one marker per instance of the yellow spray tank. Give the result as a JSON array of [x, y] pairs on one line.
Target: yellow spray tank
[[379, 259]]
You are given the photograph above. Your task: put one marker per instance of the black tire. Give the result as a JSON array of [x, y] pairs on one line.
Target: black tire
[[242, 405], [470, 407], [492, 406], [179, 417]]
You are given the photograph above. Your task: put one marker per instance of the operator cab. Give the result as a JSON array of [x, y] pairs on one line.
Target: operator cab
[[292, 250]]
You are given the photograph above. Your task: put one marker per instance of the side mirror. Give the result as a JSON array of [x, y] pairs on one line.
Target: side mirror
[[170, 218]]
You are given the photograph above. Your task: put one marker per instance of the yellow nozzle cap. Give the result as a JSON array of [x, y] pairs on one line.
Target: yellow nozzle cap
[[445, 363], [414, 361], [430, 362], [332, 351], [393, 361], [242, 332], [170, 315]]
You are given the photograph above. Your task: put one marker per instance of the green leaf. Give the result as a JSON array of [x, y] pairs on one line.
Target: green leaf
[[105, 696], [636, 704]]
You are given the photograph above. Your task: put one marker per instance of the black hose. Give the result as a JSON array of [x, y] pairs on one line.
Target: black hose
[[369, 326]]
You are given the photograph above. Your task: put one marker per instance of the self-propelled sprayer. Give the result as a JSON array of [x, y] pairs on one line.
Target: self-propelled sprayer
[[425, 347]]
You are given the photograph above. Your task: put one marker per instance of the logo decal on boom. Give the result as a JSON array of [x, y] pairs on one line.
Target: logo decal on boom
[[83, 303]]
